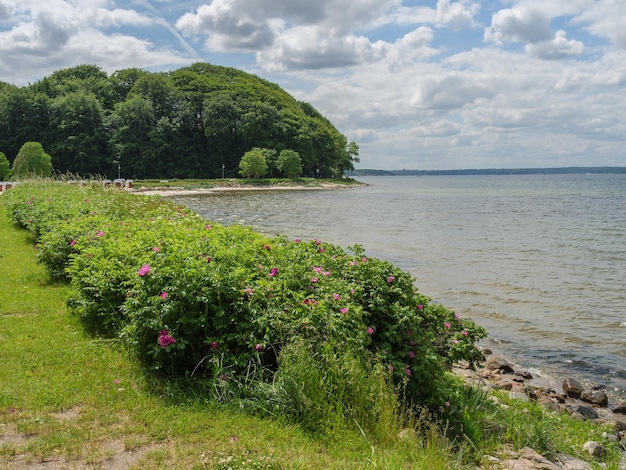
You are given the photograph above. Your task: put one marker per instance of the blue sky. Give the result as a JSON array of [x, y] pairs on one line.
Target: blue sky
[[419, 85]]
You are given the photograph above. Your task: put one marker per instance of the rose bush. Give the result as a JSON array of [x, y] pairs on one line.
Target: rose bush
[[189, 297]]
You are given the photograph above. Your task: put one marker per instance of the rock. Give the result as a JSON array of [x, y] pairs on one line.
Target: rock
[[586, 411], [524, 374], [610, 437], [571, 387], [594, 449], [619, 408], [571, 463], [499, 363], [519, 396], [549, 404], [504, 385], [597, 397]]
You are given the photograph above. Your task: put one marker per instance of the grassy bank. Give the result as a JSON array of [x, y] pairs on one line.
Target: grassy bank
[[69, 398], [77, 401]]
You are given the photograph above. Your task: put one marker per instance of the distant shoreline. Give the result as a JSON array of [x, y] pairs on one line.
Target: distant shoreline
[[494, 171]]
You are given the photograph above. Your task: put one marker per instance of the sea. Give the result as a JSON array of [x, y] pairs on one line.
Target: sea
[[538, 260]]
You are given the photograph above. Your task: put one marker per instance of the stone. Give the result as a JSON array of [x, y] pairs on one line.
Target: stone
[[499, 363], [597, 397], [619, 408], [594, 449], [524, 374], [549, 404], [572, 388], [586, 411]]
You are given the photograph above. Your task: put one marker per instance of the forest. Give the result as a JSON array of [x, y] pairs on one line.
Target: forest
[[193, 122]]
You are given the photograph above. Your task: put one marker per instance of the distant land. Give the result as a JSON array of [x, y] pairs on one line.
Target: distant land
[[493, 171]]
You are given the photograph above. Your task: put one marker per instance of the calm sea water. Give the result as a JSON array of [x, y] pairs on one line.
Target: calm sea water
[[538, 260]]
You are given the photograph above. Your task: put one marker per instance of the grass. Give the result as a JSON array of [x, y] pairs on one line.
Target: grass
[[78, 401]]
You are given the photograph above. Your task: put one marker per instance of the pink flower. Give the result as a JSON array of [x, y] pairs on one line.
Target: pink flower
[[314, 280], [318, 241], [100, 234], [117, 381], [208, 259], [336, 296], [164, 295], [223, 377], [464, 333], [320, 249], [370, 330], [420, 307], [258, 347], [447, 325], [208, 227], [364, 260], [326, 273], [73, 242], [344, 310], [267, 247], [391, 367], [273, 272], [144, 270], [407, 371], [411, 354], [260, 266], [318, 270], [214, 345], [447, 403], [165, 339], [156, 249], [352, 263], [248, 291], [297, 240], [455, 341], [390, 279]]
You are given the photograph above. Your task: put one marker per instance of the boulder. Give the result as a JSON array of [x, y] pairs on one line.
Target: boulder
[[499, 363], [586, 411], [594, 449], [619, 408], [572, 388], [597, 397]]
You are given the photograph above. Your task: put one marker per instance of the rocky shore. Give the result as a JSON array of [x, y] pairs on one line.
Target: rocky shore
[[569, 396]]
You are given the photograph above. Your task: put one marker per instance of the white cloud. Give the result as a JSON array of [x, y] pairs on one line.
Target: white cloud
[[518, 25], [557, 48], [605, 18], [456, 15]]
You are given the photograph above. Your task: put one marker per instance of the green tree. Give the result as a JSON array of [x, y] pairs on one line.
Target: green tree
[[290, 163], [5, 167], [81, 144], [253, 164], [32, 160]]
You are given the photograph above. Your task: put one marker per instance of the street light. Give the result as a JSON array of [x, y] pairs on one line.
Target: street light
[[119, 168]]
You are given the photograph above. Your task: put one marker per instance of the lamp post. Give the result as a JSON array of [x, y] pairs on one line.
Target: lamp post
[[223, 166], [119, 168]]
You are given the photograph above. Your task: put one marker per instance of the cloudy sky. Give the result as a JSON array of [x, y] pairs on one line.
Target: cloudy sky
[[417, 84]]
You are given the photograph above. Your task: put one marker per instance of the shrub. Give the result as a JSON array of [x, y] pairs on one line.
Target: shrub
[[193, 298], [32, 160]]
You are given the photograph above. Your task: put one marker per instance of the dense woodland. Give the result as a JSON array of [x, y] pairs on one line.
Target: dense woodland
[[194, 122]]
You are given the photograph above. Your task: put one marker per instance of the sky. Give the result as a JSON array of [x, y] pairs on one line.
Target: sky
[[417, 85]]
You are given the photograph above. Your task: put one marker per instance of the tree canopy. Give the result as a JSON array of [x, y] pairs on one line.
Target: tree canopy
[[32, 160], [194, 122]]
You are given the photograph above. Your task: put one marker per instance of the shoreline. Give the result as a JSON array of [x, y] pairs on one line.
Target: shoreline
[[173, 191]]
